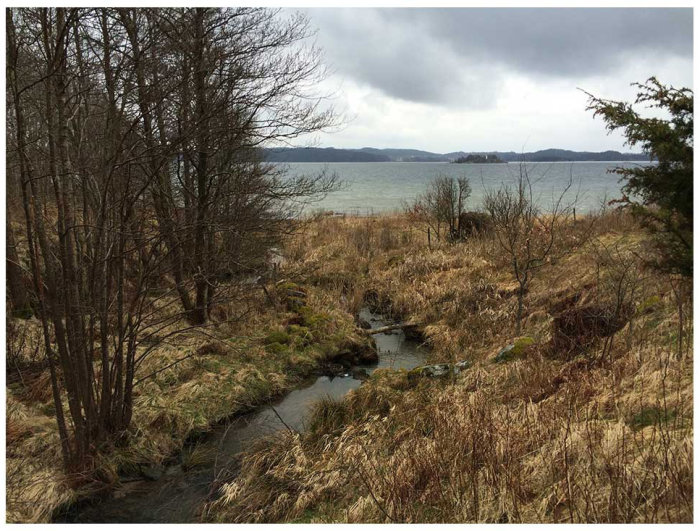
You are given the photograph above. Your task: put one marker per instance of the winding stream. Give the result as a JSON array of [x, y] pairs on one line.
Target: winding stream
[[177, 494]]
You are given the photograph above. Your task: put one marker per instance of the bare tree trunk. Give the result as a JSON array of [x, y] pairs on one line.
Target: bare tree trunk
[[201, 265], [15, 281], [519, 315], [162, 189], [34, 224]]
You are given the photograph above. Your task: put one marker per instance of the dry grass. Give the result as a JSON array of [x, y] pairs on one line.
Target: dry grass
[[601, 436], [225, 369]]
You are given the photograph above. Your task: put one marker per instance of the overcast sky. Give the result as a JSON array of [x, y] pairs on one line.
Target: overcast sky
[[492, 79]]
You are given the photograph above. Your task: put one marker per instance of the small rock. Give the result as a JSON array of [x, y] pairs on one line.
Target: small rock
[[367, 356], [504, 354], [332, 369], [432, 371], [296, 294], [514, 350], [414, 333], [462, 366], [437, 371]]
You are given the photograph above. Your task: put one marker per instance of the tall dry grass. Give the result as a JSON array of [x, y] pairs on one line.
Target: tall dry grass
[[603, 435]]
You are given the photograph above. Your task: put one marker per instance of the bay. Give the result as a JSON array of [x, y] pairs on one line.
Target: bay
[[384, 187]]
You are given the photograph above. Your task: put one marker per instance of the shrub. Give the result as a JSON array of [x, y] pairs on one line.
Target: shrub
[[661, 195], [277, 337], [472, 223]]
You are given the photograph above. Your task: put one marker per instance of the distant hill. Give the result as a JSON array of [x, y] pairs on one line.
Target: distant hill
[[322, 155], [406, 155], [565, 155], [368, 154]]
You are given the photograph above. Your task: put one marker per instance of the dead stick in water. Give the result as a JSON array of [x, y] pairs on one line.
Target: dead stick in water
[[282, 420], [388, 328]]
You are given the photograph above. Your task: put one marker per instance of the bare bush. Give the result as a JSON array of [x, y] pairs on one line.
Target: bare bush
[[524, 231], [440, 208]]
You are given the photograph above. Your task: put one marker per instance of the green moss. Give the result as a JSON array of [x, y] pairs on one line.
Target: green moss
[[649, 416], [275, 348], [521, 344], [288, 286], [312, 319], [294, 330], [515, 351], [300, 335], [328, 348], [277, 337], [300, 364]]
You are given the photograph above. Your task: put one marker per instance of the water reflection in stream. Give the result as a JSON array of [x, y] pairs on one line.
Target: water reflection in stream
[[178, 493]]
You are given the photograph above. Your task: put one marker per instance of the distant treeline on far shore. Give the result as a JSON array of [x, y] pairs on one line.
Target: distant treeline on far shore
[[414, 155]]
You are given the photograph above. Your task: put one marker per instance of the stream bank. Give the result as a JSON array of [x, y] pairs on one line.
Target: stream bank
[[175, 493]]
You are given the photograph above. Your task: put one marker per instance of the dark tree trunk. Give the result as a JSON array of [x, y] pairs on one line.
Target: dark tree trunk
[[19, 297]]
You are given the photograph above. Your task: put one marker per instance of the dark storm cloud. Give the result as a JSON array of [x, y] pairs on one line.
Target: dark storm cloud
[[439, 55]]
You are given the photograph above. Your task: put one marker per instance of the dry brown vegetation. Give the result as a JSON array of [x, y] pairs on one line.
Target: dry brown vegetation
[[599, 431], [196, 379]]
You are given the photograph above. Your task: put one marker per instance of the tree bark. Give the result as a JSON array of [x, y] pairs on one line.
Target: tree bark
[[15, 278]]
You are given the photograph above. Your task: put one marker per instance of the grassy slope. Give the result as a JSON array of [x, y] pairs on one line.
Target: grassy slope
[[538, 439], [234, 367]]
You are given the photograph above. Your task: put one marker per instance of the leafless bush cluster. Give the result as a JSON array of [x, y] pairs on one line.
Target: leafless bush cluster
[[440, 209], [525, 231], [134, 137]]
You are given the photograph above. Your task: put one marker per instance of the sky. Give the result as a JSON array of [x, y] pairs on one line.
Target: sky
[[479, 79]]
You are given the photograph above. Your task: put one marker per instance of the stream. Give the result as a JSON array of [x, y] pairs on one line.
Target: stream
[[177, 494]]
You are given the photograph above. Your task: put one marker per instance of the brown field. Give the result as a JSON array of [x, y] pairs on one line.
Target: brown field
[[601, 434]]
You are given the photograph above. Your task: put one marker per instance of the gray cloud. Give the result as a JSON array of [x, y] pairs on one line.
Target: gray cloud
[[443, 56]]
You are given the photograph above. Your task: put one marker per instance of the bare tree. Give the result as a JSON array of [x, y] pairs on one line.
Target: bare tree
[[441, 206], [134, 137], [91, 255], [234, 80], [19, 297], [524, 231]]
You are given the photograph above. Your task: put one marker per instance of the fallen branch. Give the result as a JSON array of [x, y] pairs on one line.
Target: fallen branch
[[388, 328]]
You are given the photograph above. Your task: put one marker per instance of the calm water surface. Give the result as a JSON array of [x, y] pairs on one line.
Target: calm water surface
[[377, 187]]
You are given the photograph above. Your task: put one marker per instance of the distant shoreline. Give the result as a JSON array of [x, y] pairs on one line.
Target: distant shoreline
[[470, 163], [367, 154]]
